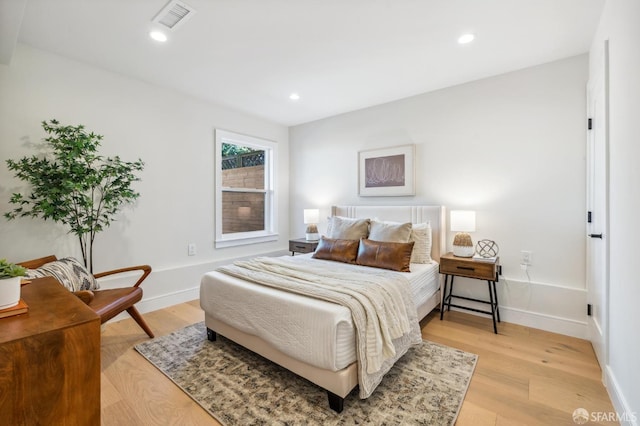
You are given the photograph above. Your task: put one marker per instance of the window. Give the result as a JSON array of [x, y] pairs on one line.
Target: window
[[245, 197]]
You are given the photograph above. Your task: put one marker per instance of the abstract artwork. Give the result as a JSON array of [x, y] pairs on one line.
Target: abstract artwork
[[386, 172]]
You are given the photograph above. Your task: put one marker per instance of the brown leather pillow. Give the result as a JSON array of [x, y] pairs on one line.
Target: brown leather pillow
[[395, 256], [338, 250]]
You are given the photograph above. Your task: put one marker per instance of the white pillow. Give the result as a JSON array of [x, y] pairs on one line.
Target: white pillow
[[69, 272], [344, 228], [421, 235], [392, 232]]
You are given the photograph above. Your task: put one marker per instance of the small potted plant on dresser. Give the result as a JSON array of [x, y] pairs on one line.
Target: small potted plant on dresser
[[10, 276]]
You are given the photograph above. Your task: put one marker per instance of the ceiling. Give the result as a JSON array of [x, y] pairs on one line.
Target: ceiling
[[338, 55]]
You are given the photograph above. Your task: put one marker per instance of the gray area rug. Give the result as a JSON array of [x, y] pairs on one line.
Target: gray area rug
[[425, 387]]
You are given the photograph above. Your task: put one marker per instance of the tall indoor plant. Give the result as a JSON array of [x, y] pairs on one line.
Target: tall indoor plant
[[73, 185]]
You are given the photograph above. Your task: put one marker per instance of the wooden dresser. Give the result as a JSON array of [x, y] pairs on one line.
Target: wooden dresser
[[50, 360]]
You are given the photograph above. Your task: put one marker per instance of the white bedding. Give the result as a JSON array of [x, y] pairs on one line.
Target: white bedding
[[314, 331]]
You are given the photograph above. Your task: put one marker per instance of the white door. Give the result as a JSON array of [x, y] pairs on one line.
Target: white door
[[598, 206]]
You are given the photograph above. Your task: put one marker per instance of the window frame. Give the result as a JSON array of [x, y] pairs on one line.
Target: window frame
[[270, 232]]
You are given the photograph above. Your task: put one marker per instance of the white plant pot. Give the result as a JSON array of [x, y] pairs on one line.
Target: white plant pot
[[9, 292]]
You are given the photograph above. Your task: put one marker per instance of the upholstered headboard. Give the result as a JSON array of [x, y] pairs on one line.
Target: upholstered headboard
[[414, 214]]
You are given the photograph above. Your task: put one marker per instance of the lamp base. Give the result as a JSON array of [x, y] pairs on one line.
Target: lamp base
[[463, 245], [463, 251], [312, 233]]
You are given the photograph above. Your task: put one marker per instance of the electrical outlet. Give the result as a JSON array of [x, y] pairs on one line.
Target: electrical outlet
[[191, 249], [525, 257]]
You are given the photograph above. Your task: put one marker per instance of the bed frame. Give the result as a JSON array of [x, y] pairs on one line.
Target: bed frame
[[339, 384]]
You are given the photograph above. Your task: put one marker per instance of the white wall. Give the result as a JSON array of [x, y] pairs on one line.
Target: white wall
[[511, 147], [620, 25], [172, 133]]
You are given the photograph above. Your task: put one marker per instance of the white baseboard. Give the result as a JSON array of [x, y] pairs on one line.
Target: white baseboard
[[163, 301], [170, 286], [550, 323], [625, 415], [554, 324], [166, 300], [550, 307]]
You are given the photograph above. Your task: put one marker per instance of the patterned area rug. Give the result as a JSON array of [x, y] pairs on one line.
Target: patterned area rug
[[425, 387]]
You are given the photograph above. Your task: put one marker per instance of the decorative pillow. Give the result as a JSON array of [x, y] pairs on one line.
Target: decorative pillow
[[344, 228], [421, 235], [69, 272], [393, 232], [380, 254], [339, 250]]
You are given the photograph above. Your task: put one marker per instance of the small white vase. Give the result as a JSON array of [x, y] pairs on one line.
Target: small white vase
[[9, 292]]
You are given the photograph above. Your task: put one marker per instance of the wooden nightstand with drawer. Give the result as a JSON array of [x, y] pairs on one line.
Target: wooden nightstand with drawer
[[452, 266], [302, 245]]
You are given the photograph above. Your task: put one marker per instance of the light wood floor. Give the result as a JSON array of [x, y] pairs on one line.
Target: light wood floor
[[523, 375]]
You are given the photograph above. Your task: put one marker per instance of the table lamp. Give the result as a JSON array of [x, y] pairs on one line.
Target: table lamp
[[463, 222], [311, 219]]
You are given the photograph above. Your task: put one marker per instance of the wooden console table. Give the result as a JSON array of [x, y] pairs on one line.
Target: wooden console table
[[50, 360]]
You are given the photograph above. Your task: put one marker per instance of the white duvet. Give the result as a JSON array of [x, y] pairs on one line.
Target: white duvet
[[317, 332]]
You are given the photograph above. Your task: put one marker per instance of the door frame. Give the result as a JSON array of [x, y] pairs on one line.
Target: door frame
[[601, 78]]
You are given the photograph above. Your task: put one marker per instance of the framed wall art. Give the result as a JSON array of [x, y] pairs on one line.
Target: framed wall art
[[386, 172]]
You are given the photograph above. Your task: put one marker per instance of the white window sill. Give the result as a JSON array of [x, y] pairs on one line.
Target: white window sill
[[232, 241]]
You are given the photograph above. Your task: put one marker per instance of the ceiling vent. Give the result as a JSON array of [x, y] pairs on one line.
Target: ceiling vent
[[173, 15]]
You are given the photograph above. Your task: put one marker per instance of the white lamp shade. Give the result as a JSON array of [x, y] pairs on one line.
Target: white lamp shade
[[463, 220], [311, 216]]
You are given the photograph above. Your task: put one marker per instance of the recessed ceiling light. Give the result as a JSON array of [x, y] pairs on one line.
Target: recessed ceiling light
[[466, 38], [158, 36], [294, 96]]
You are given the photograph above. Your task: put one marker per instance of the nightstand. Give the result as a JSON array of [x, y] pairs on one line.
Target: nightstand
[[452, 266], [302, 245]]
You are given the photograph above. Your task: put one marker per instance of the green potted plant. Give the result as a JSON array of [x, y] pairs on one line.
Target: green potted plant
[[10, 275], [73, 185]]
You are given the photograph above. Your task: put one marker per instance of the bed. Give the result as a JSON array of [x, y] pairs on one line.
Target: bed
[[316, 339]]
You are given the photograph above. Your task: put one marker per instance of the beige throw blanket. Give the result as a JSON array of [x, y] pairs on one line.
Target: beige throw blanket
[[383, 313]]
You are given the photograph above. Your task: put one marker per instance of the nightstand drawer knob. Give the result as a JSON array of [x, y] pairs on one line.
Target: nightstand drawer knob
[[301, 247], [466, 268]]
